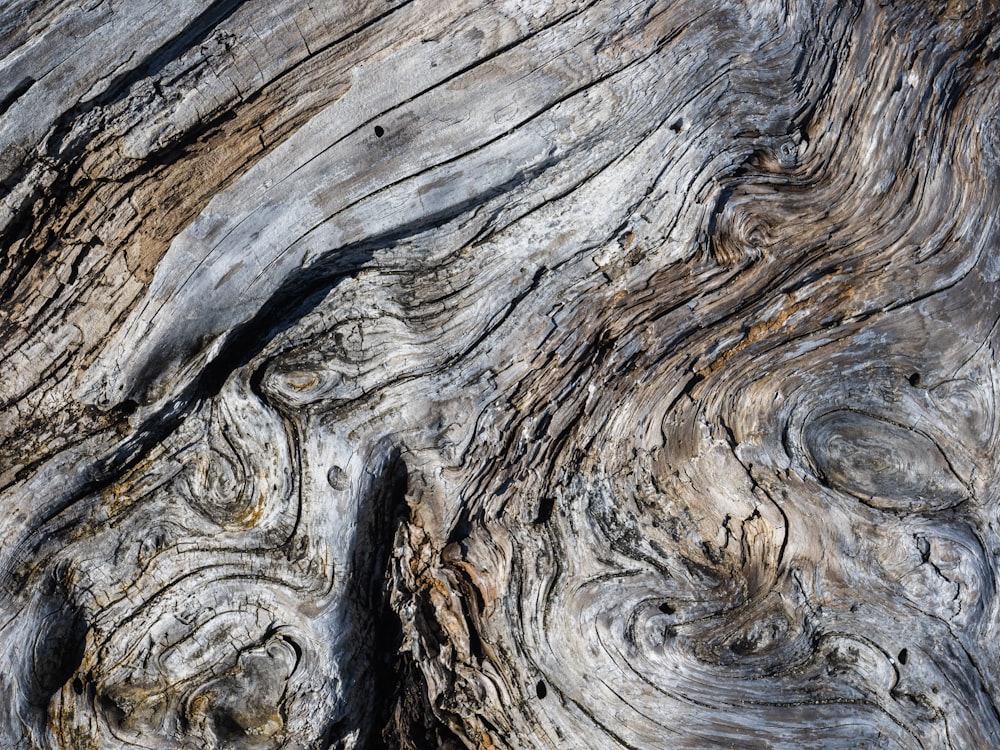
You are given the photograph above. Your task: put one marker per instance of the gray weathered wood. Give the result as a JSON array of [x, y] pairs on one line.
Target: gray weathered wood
[[499, 374]]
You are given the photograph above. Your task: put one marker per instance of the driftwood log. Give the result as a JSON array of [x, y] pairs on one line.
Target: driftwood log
[[499, 374]]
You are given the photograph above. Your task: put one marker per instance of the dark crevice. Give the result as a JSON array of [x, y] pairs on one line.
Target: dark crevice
[[381, 514], [545, 507], [20, 90], [413, 723], [59, 646], [402, 717]]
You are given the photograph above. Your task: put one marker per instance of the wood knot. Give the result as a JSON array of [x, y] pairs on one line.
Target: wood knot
[[883, 464], [738, 233], [243, 705]]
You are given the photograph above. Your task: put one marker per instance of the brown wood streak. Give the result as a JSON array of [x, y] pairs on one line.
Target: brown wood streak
[[499, 375]]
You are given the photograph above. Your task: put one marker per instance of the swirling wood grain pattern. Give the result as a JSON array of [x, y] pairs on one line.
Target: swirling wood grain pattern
[[612, 374]]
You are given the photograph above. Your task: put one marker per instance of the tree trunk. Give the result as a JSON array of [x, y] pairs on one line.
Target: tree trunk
[[424, 374]]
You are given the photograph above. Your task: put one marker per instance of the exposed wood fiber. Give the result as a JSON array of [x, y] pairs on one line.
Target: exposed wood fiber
[[612, 374]]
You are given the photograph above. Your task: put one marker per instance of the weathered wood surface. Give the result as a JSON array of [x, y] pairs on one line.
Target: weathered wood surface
[[499, 374]]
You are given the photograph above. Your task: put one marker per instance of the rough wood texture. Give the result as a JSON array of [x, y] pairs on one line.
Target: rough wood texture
[[499, 374]]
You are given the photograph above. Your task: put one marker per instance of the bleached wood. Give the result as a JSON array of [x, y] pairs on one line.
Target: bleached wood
[[499, 374]]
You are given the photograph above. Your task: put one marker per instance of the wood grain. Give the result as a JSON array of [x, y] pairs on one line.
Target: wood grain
[[408, 374]]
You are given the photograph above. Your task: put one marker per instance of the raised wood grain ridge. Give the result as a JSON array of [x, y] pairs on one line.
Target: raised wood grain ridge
[[417, 374]]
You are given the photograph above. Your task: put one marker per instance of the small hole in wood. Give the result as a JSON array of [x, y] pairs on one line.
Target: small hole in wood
[[902, 656], [666, 609], [78, 686], [337, 478], [545, 506], [677, 126], [379, 131], [914, 379], [540, 690]]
